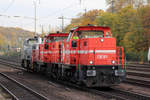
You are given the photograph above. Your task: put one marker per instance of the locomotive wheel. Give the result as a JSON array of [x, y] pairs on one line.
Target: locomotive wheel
[[59, 73], [48, 72], [26, 65], [34, 67], [22, 63]]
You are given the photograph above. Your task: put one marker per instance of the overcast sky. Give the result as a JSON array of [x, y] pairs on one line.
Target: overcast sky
[[48, 12]]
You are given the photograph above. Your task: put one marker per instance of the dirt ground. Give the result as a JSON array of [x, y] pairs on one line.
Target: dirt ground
[[3, 95], [47, 88]]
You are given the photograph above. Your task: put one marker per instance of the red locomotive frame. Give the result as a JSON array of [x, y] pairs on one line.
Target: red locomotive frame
[[89, 55]]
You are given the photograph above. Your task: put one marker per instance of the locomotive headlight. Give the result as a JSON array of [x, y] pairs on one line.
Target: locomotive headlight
[[113, 62], [102, 40], [91, 62]]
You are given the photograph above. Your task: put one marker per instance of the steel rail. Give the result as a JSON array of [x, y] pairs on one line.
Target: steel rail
[[25, 87], [136, 96], [86, 89], [14, 65], [114, 93], [138, 65], [137, 82], [13, 97]]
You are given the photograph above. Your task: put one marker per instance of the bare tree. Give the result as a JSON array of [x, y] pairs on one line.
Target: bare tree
[[116, 5]]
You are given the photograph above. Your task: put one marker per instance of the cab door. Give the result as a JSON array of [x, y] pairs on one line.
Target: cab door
[[74, 50], [46, 50], [60, 51]]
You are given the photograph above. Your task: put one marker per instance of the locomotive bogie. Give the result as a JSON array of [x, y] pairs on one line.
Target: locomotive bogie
[[103, 75]]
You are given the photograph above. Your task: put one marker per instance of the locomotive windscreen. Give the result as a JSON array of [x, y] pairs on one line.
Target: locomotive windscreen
[[91, 34], [31, 41], [51, 39]]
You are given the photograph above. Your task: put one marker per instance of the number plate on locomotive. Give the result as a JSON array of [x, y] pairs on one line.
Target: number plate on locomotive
[[91, 72]]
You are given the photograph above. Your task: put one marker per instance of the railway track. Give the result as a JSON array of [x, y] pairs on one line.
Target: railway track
[[11, 95], [138, 82], [12, 59], [13, 64], [138, 65], [138, 73], [139, 69], [17, 90], [111, 93], [14, 86]]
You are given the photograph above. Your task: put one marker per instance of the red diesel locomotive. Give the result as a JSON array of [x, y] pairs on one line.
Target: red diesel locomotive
[[87, 55]]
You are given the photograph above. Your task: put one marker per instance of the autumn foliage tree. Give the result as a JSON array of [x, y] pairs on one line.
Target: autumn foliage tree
[[11, 38], [85, 19], [117, 5], [130, 25], [145, 15]]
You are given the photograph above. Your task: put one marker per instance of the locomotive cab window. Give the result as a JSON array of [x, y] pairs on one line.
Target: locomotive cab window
[[74, 43], [34, 47], [46, 40], [69, 37], [107, 35], [46, 46], [75, 36], [90, 34], [31, 41]]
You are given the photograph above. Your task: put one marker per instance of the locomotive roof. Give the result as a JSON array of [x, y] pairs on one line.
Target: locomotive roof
[[57, 35], [90, 28]]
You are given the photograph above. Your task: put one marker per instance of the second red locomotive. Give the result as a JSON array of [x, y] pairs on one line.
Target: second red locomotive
[[87, 55]]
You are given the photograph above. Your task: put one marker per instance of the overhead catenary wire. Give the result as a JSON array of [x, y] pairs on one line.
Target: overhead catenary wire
[[24, 17], [58, 11], [46, 17], [64, 10], [11, 3]]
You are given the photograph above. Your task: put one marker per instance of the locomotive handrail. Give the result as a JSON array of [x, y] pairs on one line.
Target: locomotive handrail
[[122, 56]]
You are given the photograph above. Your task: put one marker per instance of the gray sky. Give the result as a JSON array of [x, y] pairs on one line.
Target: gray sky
[[48, 12]]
